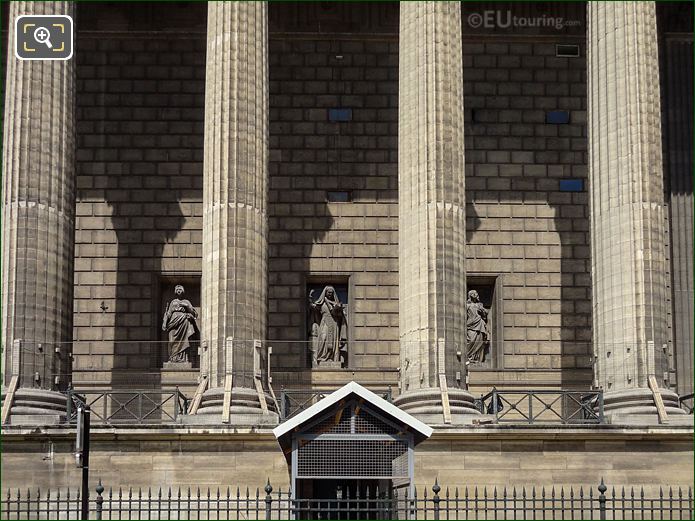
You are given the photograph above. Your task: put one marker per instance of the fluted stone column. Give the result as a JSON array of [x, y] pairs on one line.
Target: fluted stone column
[[628, 261], [432, 228], [235, 200], [38, 220]]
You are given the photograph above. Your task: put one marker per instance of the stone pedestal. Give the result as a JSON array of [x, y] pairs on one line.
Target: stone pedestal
[[177, 366], [38, 212], [235, 198], [431, 198], [628, 263]]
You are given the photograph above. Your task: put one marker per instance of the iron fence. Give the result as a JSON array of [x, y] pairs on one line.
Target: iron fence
[[114, 407], [543, 406], [450, 503], [294, 401], [686, 402]]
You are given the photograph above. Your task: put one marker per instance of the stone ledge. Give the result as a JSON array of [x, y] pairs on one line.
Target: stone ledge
[[477, 432]]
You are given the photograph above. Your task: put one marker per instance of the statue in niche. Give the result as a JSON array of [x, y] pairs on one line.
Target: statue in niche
[[477, 334], [328, 329], [180, 322]]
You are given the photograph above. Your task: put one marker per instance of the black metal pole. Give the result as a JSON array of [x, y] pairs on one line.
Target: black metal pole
[[85, 465]]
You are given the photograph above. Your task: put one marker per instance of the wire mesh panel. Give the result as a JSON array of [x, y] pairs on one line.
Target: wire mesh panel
[[353, 441], [351, 458]]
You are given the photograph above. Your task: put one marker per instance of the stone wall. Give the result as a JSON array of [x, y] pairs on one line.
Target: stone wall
[[140, 111], [531, 457], [139, 166]]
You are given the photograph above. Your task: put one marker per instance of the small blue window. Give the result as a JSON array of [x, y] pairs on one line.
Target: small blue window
[[557, 117], [338, 197], [340, 114], [571, 185]]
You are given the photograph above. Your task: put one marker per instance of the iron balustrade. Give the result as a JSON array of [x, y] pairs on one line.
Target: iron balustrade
[[593, 502], [113, 407], [543, 406], [294, 401]]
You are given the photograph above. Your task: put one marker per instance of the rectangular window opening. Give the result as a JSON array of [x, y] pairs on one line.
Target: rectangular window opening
[[567, 51], [339, 196]]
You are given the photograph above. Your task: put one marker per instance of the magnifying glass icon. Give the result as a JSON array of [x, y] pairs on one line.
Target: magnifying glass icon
[[43, 35]]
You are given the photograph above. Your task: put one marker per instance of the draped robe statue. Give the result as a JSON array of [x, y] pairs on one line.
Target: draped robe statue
[[180, 322], [477, 332], [328, 328]]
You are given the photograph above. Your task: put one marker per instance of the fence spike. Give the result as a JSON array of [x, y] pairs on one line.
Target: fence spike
[[456, 493], [581, 492], [268, 487], [169, 493], [641, 493], [238, 492], [661, 492], [446, 494], [622, 492], [670, 492]]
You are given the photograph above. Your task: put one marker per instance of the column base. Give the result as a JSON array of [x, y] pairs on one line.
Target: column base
[[426, 405], [636, 407], [245, 409], [37, 407]]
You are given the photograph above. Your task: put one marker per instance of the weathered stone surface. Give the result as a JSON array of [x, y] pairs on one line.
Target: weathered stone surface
[[38, 214], [431, 199], [235, 190], [468, 456], [629, 270]]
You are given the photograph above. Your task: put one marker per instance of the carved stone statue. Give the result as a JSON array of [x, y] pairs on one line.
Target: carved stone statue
[[328, 329], [180, 322], [478, 334]]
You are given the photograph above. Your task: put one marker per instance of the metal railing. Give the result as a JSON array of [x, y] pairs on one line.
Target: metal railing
[[294, 401], [436, 503], [119, 407], [545, 406], [686, 402]]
